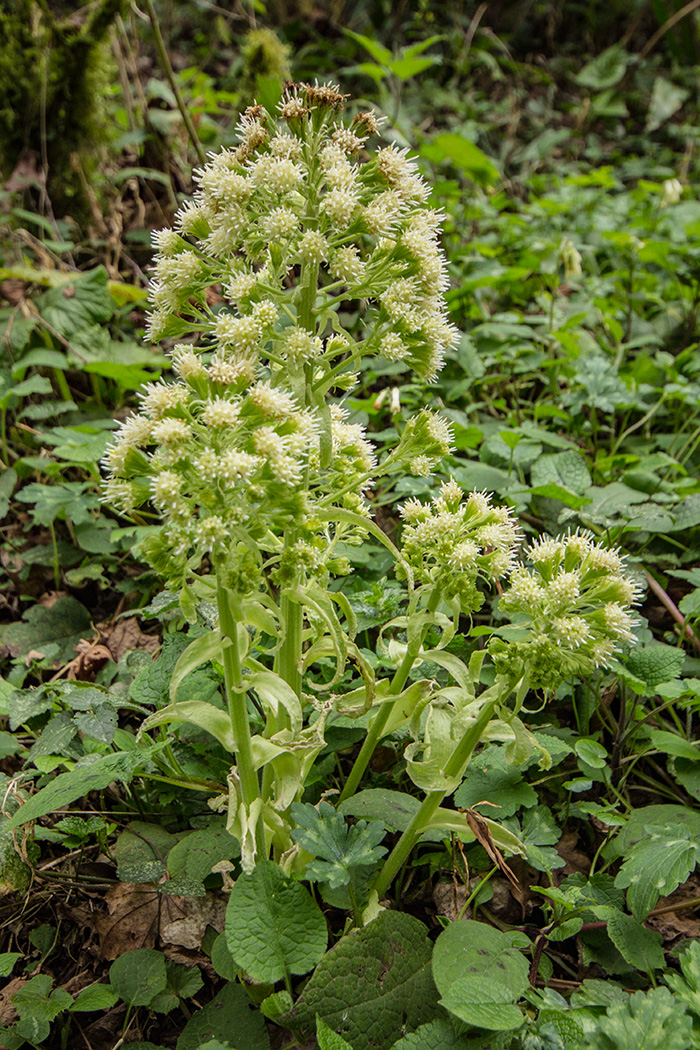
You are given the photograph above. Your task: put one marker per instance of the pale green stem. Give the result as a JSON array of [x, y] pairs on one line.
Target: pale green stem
[[456, 765], [237, 707], [378, 723], [290, 651]]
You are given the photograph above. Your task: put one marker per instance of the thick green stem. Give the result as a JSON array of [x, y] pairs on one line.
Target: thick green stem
[[290, 651], [378, 723], [456, 765], [237, 708]]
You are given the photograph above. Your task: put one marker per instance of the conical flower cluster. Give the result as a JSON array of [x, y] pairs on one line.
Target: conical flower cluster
[[282, 230], [452, 542], [570, 611]]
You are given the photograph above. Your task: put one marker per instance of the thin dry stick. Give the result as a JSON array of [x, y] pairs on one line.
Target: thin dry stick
[[473, 26], [668, 24], [668, 602], [168, 70]]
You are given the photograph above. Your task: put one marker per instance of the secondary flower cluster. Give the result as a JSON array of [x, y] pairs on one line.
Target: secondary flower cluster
[[301, 195], [453, 541], [573, 607]]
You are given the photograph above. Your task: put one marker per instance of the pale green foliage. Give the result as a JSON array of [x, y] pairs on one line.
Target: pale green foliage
[[338, 848]]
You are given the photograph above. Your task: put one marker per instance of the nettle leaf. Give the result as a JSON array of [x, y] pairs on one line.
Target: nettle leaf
[[324, 834], [567, 469], [654, 664], [61, 626], [273, 925], [152, 682], [490, 776], [229, 1019], [639, 946], [651, 1021], [374, 984], [656, 865]]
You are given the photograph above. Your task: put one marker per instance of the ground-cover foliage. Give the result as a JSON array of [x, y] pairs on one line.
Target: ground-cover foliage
[[366, 755]]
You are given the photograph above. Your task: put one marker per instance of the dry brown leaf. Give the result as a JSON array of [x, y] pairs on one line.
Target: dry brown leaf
[[184, 920], [124, 636], [132, 921], [575, 859], [482, 833], [8, 1014], [90, 659]]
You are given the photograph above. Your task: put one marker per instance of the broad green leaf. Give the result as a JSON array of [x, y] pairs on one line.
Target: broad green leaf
[[229, 1018], [67, 787], [405, 68], [674, 744], [80, 305], [483, 1001], [655, 663], [141, 851], [656, 865], [273, 926], [94, 997], [378, 52], [7, 962], [37, 1007], [374, 983], [8, 480], [395, 809], [197, 852], [436, 1035], [197, 713], [151, 684], [138, 976], [666, 99], [639, 946], [465, 155], [61, 626], [562, 468], [474, 950], [651, 1021]]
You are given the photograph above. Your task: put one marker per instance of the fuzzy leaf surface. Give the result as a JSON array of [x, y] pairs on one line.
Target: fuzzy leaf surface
[[374, 984], [273, 925]]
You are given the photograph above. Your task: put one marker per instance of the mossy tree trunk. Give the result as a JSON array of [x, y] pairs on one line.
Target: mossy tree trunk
[[55, 67]]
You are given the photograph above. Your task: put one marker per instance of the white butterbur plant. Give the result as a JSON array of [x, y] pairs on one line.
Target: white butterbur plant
[[261, 479]]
